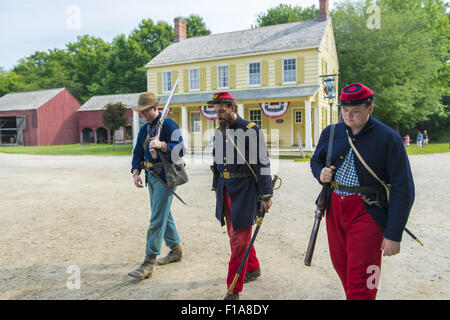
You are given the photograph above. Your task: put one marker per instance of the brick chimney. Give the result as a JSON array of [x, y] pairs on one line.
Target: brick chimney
[[323, 10], [180, 29]]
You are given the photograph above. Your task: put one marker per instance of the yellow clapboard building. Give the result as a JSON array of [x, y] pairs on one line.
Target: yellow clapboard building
[[273, 73]]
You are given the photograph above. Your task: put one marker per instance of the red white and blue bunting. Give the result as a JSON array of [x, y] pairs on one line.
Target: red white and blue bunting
[[208, 112], [274, 110]]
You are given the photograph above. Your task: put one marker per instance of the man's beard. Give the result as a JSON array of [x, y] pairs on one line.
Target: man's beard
[[225, 124]]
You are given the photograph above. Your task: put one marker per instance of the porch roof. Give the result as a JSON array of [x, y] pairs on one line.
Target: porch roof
[[245, 95]]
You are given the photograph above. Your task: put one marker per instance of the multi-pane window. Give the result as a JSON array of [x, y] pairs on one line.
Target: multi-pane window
[[167, 81], [255, 116], [289, 70], [196, 122], [194, 79], [298, 117], [254, 73], [222, 76]]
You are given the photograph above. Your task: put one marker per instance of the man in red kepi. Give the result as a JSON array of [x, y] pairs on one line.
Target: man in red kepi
[[363, 219], [242, 182]]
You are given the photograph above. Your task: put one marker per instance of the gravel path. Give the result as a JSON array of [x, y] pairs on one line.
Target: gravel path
[[84, 211]]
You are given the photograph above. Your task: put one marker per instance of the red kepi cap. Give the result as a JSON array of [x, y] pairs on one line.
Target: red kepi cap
[[355, 94], [221, 97]]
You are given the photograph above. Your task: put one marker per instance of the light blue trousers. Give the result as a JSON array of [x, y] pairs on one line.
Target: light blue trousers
[[162, 225]]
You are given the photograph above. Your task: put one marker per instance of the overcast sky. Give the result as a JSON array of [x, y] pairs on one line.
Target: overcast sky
[[27, 26]]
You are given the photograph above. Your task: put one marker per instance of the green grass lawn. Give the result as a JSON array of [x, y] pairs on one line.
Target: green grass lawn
[[72, 149], [126, 150], [431, 148]]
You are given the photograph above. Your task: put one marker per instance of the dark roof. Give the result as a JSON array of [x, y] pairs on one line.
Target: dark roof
[[130, 99], [27, 100], [251, 94], [281, 37], [99, 102]]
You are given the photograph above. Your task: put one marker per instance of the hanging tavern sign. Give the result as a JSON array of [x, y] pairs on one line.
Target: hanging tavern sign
[[208, 112], [274, 110]]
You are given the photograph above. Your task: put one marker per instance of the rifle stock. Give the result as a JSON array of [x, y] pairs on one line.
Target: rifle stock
[[321, 206]]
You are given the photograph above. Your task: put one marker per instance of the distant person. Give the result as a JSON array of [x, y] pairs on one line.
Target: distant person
[[419, 139], [407, 140], [425, 138]]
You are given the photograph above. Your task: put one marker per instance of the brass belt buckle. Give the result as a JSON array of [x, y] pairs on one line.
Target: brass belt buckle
[[226, 175], [148, 165], [334, 184]]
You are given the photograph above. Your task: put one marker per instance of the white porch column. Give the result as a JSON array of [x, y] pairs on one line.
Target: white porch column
[[241, 110], [317, 125], [308, 136], [135, 127], [184, 127]]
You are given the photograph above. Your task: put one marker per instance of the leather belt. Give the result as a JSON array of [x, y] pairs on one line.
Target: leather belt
[[147, 165], [358, 189], [233, 175]]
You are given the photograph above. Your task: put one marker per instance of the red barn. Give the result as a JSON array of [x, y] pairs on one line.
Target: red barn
[[91, 127], [36, 118]]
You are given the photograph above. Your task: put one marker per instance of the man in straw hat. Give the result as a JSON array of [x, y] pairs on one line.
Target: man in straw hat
[[365, 217], [162, 225]]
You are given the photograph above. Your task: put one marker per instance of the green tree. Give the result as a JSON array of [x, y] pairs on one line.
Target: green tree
[[11, 82], [125, 67], [195, 27], [44, 70], [153, 38], [87, 65], [397, 60], [114, 118], [285, 13]]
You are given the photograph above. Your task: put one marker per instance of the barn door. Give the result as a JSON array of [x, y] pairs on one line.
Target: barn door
[[21, 122]]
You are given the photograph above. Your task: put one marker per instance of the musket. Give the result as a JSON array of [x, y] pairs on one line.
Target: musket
[[164, 114], [321, 205], [259, 222]]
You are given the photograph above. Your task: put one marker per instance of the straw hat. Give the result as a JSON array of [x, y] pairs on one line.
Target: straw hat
[[146, 100]]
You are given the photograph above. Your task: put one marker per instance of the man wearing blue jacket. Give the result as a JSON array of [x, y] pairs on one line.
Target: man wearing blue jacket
[[362, 220], [243, 184], [170, 144]]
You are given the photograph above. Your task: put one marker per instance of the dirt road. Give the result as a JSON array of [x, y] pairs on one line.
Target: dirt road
[[64, 216]]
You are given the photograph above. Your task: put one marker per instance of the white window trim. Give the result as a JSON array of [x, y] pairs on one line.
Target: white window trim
[[189, 78], [260, 74], [162, 81], [217, 71], [282, 70], [190, 122], [261, 113]]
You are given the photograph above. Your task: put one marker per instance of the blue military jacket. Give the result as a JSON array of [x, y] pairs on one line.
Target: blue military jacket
[[170, 134], [243, 192], [382, 149]]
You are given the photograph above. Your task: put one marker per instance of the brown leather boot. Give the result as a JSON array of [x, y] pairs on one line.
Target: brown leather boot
[[253, 275], [232, 296], [146, 268], [173, 256]]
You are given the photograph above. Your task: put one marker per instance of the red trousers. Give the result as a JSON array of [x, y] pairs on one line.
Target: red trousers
[[239, 242], [354, 239]]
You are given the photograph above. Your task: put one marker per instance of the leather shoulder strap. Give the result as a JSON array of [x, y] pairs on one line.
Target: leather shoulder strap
[[366, 165], [330, 145]]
